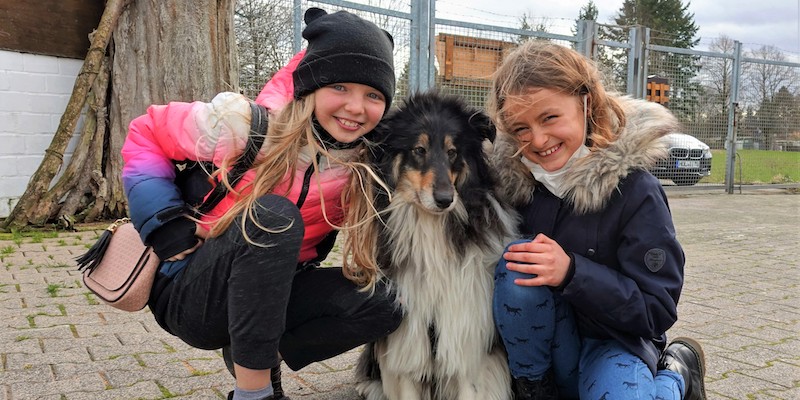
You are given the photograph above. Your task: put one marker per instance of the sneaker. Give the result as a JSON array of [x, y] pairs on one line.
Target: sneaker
[[685, 356], [540, 389], [274, 375]]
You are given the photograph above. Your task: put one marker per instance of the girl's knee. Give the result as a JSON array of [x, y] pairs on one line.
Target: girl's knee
[[500, 270], [508, 292], [377, 311], [384, 300], [277, 214], [273, 206], [506, 288]]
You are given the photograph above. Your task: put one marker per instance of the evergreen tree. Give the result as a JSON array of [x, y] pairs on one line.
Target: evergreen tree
[[669, 21], [588, 12], [778, 119], [613, 70], [671, 24], [525, 23]]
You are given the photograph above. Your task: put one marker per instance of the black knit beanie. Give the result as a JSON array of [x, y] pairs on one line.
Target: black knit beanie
[[342, 48]]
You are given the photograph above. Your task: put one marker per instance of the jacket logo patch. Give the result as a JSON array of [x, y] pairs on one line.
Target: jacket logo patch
[[655, 259]]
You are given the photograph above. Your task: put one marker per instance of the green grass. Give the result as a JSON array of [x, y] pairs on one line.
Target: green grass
[[757, 166], [53, 288], [34, 235]]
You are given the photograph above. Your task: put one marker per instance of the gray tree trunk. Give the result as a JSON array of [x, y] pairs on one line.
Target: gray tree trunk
[[164, 51], [160, 51]]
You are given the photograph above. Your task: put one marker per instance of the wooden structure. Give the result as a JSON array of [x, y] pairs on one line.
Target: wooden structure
[[468, 61], [49, 27], [657, 90]]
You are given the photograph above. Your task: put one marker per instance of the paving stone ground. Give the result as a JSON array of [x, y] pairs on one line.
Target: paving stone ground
[[741, 301]]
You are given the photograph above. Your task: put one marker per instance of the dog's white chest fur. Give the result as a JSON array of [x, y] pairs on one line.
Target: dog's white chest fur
[[445, 289]]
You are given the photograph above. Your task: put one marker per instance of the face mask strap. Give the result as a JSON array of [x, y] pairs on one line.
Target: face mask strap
[[586, 140]]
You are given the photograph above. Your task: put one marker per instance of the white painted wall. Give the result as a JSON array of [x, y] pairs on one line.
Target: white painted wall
[[34, 91]]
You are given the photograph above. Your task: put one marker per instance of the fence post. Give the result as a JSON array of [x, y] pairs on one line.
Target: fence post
[[638, 37], [413, 43], [733, 105], [421, 58], [297, 20], [644, 70], [431, 43], [587, 31]]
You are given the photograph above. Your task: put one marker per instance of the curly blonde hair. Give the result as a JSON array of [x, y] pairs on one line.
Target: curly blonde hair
[[542, 64]]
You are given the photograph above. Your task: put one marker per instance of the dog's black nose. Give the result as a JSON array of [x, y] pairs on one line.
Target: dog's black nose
[[442, 199]]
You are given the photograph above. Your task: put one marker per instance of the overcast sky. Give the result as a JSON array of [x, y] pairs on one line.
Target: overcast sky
[[752, 22]]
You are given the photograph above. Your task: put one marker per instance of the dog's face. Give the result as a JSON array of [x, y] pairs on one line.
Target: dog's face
[[431, 148]]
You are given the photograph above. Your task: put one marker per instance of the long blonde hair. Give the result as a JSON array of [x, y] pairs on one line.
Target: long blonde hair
[[541, 64], [288, 132], [359, 256]]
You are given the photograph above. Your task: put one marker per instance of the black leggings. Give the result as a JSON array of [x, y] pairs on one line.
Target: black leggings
[[252, 297]]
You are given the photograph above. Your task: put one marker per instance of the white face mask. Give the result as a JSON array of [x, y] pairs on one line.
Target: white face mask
[[554, 180]]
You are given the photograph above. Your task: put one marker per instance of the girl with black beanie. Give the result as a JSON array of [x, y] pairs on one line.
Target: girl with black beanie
[[245, 275]]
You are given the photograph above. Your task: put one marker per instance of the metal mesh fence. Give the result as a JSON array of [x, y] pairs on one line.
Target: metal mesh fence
[[766, 123], [612, 59], [467, 57], [259, 61], [695, 85], [685, 87]]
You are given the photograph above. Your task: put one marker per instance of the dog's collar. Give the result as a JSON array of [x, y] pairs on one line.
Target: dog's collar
[[328, 141]]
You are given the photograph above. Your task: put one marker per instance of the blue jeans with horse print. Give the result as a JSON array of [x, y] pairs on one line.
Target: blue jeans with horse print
[[540, 335]]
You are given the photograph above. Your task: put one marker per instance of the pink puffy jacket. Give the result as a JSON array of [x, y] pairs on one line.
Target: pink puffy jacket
[[215, 131]]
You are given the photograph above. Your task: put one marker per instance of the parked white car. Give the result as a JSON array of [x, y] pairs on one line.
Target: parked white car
[[689, 160]]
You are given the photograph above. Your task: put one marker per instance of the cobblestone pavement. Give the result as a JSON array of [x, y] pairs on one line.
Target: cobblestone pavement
[[741, 301]]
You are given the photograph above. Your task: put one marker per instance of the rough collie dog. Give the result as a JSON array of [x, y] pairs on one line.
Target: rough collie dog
[[442, 231]]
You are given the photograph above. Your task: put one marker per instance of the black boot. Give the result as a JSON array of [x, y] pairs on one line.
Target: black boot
[[228, 358], [274, 375], [230, 396], [540, 389], [685, 356]]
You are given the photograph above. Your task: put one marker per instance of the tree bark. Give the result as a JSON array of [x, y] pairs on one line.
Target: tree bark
[[169, 50], [87, 160], [164, 51]]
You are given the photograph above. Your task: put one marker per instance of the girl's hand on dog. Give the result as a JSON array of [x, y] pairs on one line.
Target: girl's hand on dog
[[542, 258]]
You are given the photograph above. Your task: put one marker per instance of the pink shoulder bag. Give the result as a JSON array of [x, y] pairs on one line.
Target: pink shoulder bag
[[119, 269]]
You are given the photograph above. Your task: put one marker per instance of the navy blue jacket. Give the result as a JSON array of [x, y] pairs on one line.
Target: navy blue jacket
[[628, 264], [615, 222]]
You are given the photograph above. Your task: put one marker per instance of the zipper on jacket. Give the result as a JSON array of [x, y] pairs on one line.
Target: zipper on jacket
[[306, 183]]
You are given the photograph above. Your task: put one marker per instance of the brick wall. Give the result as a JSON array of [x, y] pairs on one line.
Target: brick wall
[[34, 90]]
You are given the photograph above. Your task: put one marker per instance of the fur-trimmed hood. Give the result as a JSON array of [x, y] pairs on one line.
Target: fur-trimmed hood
[[591, 181]]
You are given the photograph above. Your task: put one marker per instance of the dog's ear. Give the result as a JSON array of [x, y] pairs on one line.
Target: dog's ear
[[481, 122]]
